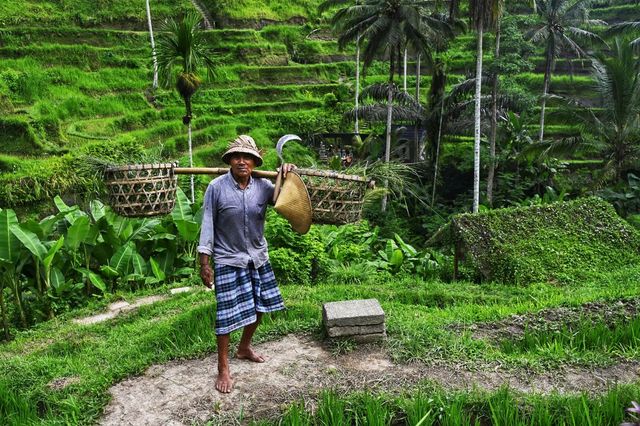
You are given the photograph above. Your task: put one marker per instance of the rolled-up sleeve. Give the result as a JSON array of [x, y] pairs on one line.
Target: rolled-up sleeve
[[207, 231]]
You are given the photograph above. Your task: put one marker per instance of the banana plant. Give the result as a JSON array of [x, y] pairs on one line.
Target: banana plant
[[9, 253], [188, 228], [392, 256], [48, 276]]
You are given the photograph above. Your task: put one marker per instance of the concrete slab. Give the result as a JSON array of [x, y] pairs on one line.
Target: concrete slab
[[352, 312], [368, 338], [352, 330]]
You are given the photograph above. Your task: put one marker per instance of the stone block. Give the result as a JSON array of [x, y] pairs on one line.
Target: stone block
[[352, 313], [351, 330]]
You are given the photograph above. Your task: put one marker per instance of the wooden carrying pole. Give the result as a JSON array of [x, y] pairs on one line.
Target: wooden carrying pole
[[219, 171], [271, 175]]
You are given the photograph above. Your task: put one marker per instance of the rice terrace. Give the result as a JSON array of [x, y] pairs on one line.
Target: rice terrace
[[418, 212]]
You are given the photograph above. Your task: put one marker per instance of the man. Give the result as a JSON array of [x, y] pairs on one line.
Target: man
[[233, 234]]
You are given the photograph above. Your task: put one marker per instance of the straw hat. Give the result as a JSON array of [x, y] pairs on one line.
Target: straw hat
[[243, 143], [294, 204]]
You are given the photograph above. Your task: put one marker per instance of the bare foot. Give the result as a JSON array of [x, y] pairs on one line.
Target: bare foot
[[224, 384], [250, 355]]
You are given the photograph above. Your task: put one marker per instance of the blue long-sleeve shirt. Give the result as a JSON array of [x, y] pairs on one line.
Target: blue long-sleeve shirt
[[233, 221]]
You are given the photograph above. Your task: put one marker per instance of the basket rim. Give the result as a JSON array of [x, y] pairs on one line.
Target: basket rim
[[147, 166], [332, 174]]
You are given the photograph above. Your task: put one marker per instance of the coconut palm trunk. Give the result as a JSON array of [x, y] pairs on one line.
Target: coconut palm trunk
[[356, 127], [476, 132], [387, 144], [494, 122], [417, 148], [545, 86], [404, 70], [153, 47]]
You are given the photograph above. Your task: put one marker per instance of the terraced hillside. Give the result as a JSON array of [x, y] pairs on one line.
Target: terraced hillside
[[75, 81]]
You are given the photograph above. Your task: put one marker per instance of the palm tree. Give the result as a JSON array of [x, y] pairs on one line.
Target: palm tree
[[386, 26], [614, 132], [327, 5], [494, 109], [559, 22], [627, 27], [484, 14], [182, 45], [618, 83], [153, 47]]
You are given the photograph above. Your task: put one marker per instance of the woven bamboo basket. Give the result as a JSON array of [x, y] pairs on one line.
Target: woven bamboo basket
[[142, 190], [150, 190], [336, 198]]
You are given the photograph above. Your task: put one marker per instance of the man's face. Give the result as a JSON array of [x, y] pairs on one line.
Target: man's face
[[242, 165]]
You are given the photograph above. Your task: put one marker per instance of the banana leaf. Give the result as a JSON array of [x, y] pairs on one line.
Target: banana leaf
[[78, 233], [139, 265], [30, 241], [9, 244], [156, 269], [94, 279], [121, 260]]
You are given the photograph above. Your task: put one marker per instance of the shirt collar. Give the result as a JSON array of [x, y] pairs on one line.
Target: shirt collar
[[235, 184]]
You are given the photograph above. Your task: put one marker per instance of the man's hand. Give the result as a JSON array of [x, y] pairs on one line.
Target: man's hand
[[287, 167], [206, 273]]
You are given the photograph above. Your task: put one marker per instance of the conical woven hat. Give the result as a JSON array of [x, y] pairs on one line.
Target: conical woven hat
[[294, 203], [244, 144]]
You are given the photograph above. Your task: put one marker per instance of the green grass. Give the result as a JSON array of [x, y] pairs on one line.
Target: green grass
[[85, 13], [430, 405], [588, 335], [419, 328]]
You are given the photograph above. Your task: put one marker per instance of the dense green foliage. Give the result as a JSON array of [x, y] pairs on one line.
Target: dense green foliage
[[75, 87], [560, 242]]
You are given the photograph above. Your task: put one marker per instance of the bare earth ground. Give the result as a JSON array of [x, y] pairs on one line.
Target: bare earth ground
[[182, 392]]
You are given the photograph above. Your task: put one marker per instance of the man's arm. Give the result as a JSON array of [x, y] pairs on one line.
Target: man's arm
[[206, 272], [207, 233]]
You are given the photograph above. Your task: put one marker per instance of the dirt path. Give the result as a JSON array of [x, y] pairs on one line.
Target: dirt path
[[182, 392]]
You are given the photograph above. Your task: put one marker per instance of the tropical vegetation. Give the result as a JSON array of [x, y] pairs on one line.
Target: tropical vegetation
[[538, 100]]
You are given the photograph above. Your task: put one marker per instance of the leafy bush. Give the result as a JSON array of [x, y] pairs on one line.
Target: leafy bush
[[560, 242], [296, 259]]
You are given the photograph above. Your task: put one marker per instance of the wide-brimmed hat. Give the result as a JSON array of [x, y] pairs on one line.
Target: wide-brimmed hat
[[245, 144], [294, 204]]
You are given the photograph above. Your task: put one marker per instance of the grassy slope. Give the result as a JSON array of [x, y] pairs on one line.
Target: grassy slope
[[428, 321]]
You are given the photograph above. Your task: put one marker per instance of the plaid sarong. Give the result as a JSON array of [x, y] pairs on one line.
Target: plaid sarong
[[241, 292]]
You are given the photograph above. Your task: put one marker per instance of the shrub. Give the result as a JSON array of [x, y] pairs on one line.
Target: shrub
[[296, 259], [559, 242]]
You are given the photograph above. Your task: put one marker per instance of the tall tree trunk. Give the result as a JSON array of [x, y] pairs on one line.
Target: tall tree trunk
[[454, 9], [191, 163], [417, 148], [357, 125], [153, 47], [438, 138], [476, 144], [404, 70], [545, 86], [387, 144], [187, 120], [494, 121], [436, 95]]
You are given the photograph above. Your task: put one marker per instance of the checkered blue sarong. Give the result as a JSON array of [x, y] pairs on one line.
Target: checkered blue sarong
[[241, 292]]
